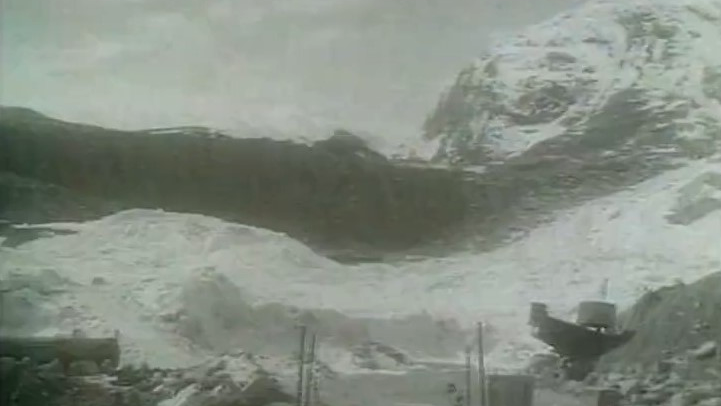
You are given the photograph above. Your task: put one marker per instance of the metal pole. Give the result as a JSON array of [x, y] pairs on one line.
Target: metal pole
[[311, 373], [483, 390], [469, 388], [301, 366]]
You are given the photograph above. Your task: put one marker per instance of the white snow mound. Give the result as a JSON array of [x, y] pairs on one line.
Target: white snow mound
[[144, 271]]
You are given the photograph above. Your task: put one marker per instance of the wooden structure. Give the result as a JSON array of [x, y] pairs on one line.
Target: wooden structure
[[301, 367], [468, 372], [482, 379], [539, 312], [67, 350], [578, 345], [510, 390], [609, 397], [598, 315], [307, 389]]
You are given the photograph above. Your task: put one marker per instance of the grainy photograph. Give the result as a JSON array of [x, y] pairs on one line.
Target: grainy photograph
[[360, 203]]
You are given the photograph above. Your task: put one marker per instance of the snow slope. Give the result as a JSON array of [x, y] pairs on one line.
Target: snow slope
[[137, 270], [585, 71]]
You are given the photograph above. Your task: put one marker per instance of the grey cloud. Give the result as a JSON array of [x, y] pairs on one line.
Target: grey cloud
[[372, 64]]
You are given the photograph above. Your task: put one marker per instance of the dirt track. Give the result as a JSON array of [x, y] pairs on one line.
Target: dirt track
[[417, 388]]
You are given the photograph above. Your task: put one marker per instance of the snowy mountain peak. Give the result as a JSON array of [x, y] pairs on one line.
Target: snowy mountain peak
[[647, 64]]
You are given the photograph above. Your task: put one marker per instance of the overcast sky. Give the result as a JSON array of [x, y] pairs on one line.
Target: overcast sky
[[373, 65]]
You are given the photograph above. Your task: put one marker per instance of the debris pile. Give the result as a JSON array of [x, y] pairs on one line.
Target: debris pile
[[374, 355], [674, 359], [216, 383], [670, 322], [666, 386]]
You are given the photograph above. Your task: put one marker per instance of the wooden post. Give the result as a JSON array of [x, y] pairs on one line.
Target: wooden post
[[718, 348], [469, 387], [301, 366], [316, 388], [483, 390], [311, 373], [2, 307]]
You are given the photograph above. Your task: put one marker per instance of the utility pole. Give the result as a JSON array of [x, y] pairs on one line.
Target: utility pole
[[483, 390], [2, 304], [316, 388], [469, 387], [718, 346], [310, 377], [301, 366]]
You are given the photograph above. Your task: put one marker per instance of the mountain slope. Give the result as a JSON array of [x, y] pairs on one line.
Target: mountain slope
[[146, 260], [337, 193], [607, 77]]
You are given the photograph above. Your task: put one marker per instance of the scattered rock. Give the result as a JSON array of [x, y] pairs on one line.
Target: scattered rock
[[264, 390], [99, 280], [710, 402], [701, 392], [665, 319], [25, 384], [678, 400], [704, 351]]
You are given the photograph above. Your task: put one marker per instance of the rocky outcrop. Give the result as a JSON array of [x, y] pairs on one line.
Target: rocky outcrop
[[671, 322], [697, 199], [335, 194]]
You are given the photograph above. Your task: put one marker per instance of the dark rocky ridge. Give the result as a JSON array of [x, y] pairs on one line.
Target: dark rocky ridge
[[26, 200], [335, 198], [348, 202]]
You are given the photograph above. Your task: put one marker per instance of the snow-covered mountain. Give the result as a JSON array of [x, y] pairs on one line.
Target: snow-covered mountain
[[603, 77]]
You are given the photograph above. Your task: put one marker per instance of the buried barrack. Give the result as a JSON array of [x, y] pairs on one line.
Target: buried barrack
[[579, 344], [66, 350]]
